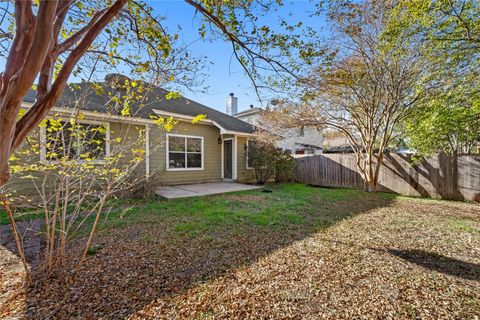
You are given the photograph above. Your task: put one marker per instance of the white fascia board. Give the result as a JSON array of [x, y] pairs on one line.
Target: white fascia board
[[239, 134], [179, 116]]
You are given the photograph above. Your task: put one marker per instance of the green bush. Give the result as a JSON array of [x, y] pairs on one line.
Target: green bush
[[284, 167], [269, 162]]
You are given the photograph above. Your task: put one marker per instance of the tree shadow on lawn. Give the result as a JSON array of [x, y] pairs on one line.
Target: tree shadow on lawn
[[439, 263], [170, 247], [429, 260]]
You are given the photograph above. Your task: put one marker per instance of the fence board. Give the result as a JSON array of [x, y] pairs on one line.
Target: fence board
[[441, 176]]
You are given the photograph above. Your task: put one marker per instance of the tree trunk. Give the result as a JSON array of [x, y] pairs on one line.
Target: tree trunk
[[6, 135], [371, 185], [34, 39], [370, 171]]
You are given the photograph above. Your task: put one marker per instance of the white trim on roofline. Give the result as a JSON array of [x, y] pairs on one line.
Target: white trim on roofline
[[180, 116]]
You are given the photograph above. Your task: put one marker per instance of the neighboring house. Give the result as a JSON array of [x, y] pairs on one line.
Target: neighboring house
[[213, 149], [335, 142], [303, 141]]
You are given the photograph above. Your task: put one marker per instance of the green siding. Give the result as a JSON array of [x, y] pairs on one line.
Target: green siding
[[212, 155], [132, 136], [244, 175]]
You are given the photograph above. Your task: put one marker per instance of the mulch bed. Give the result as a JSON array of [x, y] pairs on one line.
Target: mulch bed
[[407, 259]]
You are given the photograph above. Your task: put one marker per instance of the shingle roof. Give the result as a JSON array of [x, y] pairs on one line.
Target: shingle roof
[[154, 100]]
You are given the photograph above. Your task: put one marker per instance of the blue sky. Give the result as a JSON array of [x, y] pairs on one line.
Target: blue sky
[[225, 75]]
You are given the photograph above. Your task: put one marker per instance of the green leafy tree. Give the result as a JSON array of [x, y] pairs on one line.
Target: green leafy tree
[[444, 125], [451, 27], [447, 33]]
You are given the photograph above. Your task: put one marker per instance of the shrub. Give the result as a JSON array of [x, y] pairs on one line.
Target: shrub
[[284, 166], [270, 162]]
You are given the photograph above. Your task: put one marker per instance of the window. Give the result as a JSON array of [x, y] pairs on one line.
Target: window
[[184, 152], [250, 149], [78, 141]]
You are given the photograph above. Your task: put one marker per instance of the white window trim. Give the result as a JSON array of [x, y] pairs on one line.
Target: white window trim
[[43, 141], [167, 160], [246, 157]]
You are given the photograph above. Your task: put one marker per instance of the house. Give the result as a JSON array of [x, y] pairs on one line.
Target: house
[[210, 150], [335, 142], [303, 141]]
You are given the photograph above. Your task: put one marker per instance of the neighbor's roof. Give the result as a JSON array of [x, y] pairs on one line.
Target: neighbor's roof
[[247, 112], [155, 100]]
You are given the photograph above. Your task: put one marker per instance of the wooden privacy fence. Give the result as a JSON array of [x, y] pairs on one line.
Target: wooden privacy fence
[[441, 176]]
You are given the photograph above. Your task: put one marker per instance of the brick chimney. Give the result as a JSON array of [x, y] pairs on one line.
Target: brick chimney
[[232, 104]]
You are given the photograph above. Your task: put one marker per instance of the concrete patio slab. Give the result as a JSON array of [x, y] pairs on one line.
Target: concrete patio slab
[[202, 189]]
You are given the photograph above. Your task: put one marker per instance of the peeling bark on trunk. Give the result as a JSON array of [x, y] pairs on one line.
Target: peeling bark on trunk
[[33, 54]]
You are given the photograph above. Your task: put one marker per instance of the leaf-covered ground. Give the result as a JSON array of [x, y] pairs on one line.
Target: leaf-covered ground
[[299, 252]]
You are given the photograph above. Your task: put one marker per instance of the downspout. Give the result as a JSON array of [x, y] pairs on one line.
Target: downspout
[[147, 151], [234, 162]]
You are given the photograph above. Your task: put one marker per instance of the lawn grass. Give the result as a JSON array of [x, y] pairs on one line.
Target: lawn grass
[[289, 205], [22, 215]]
